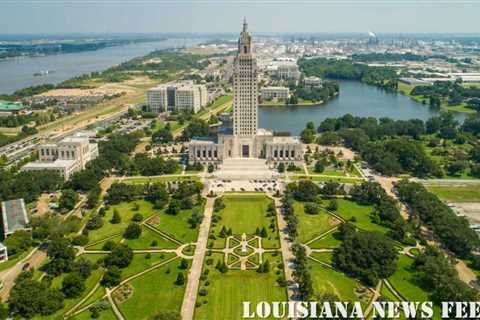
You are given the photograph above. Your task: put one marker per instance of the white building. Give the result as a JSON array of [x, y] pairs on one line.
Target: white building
[[246, 140], [312, 82], [179, 96], [274, 93], [66, 157], [285, 70]]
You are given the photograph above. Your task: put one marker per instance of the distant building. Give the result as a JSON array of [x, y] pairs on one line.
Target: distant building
[[3, 253], [179, 96], [312, 82], [66, 157], [14, 217], [8, 108], [285, 70], [274, 93]]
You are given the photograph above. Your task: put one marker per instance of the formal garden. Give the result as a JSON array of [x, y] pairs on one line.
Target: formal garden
[[243, 261]]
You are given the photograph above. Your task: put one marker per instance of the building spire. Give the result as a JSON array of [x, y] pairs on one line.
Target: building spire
[[245, 25]]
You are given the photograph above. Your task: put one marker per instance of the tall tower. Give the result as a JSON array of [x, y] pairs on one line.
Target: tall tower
[[245, 89]]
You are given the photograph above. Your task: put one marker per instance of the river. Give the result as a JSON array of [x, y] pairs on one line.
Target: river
[[356, 98], [17, 73]]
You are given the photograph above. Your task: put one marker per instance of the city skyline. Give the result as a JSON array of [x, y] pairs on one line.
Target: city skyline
[[115, 16]]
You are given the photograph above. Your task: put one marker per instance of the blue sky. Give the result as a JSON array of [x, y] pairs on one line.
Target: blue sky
[[115, 16]]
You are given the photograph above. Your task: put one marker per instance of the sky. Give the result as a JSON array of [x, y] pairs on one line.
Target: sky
[[157, 16]]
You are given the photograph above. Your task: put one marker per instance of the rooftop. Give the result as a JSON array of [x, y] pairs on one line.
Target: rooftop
[[53, 164], [11, 106], [14, 216]]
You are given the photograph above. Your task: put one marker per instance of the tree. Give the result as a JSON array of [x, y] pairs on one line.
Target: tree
[[29, 298], [312, 208], [120, 256], [93, 197], [18, 242], [180, 279], [183, 264], [73, 285], [83, 267], [319, 167], [95, 222], [112, 277], [368, 256], [133, 231], [281, 167], [68, 199], [210, 168], [332, 205], [173, 207], [116, 217], [61, 254]]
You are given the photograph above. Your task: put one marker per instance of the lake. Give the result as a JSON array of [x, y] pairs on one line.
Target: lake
[[356, 98], [17, 73]]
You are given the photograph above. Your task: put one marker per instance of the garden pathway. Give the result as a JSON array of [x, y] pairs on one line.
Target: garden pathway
[[190, 297]]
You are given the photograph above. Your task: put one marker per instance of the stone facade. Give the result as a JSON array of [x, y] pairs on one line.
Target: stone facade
[[245, 139]]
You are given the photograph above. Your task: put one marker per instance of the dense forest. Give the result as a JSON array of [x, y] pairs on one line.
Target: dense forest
[[383, 77]]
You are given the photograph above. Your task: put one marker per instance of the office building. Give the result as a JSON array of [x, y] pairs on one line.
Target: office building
[[179, 96]]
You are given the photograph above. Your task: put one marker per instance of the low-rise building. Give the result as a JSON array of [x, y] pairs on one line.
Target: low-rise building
[[8, 108], [285, 70], [65, 157], [3, 253], [14, 217], [312, 82], [179, 96], [274, 93]]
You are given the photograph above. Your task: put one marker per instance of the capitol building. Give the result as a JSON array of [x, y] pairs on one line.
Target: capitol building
[[244, 139]]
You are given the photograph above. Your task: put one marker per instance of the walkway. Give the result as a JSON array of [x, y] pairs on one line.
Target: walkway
[[190, 297], [286, 248]]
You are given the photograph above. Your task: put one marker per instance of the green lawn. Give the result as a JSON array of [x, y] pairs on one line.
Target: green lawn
[[311, 226], [327, 242], [153, 292], [226, 292], [177, 226], [146, 240], [70, 303], [125, 209], [323, 256], [244, 214], [140, 262], [403, 280], [104, 315], [348, 209], [322, 178], [466, 193], [12, 260], [327, 280]]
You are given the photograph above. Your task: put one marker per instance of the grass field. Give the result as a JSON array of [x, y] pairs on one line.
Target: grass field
[[403, 280], [226, 292], [327, 280], [140, 262], [177, 226], [145, 180], [244, 214], [125, 209], [153, 292], [147, 238], [323, 256], [466, 193], [348, 209], [104, 315], [327, 242], [309, 225]]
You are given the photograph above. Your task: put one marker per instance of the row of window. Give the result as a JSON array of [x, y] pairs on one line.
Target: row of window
[[279, 153], [204, 153]]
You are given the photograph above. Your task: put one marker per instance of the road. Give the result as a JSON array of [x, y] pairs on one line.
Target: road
[[190, 296]]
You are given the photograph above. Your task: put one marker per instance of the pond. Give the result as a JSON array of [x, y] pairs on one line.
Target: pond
[[356, 98]]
